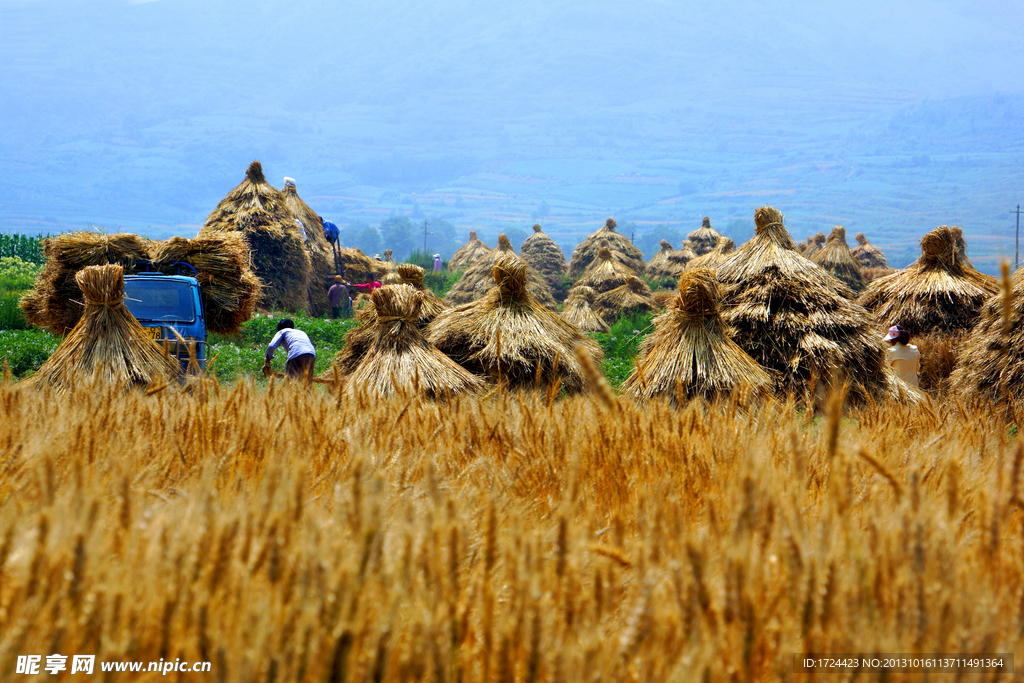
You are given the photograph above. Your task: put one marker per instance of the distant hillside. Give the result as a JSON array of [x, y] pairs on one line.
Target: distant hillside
[[145, 115]]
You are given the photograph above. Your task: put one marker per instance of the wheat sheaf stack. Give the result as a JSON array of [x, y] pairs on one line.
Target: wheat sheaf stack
[[689, 354], [939, 292], [623, 251], [835, 257], [668, 262], [54, 302], [511, 338], [469, 253], [397, 360], [107, 344], [578, 310], [259, 212], [793, 317]]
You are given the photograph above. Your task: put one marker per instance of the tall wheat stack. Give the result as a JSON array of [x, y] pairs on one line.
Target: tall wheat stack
[[321, 259], [518, 538]]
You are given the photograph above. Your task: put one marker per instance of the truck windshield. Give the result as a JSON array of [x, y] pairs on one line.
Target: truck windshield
[[164, 300]]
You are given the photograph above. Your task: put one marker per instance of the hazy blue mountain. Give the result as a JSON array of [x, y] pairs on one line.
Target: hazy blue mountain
[[886, 117]]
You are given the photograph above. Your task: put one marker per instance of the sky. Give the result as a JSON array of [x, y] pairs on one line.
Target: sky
[[142, 115]]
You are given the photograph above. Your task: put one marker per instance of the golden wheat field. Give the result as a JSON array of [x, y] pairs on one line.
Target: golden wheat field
[[291, 535]]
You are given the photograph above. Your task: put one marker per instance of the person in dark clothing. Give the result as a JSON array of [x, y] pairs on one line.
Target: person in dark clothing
[[339, 297], [332, 234]]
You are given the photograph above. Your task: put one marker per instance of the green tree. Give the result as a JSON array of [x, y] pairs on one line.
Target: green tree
[[398, 234], [362, 236]]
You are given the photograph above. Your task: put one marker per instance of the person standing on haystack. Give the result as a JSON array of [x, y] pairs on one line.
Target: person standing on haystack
[[339, 298], [331, 233], [437, 263], [301, 354], [904, 358]]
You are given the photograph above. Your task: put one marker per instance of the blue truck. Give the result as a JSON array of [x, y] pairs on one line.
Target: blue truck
[[165, 304]]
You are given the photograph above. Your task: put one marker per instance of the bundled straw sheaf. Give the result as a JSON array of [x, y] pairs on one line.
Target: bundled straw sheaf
[[669, 262], [411, 274], [704, 238], [398, 360], [623, 251], [388, 260], [259, 212], [107, 344], [814, 244], [359, 339], [478, 280], [723, 249], [937, 293], [55, 302], [961, 245], [633, 296], [868, 255], [469, 253], [229, 288], [835, 257], [511, 338], [689, 355], [991, 359], [578, 310], [792, 317], [543, 254], [605, 272], [321, 259]]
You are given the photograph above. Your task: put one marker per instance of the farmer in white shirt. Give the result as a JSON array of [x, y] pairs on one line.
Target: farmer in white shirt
[[301, 354], [903, 357]]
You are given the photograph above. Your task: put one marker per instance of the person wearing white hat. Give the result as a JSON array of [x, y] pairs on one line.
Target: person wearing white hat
[[904, 358], [437, 263]]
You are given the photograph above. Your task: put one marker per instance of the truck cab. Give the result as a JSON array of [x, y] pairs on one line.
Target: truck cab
[[162, 303]]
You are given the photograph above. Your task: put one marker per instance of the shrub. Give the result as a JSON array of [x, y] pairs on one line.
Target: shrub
[[26, 350]]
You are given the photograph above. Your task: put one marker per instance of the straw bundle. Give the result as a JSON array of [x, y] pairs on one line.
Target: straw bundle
[[411, 274], [358, 340], [938, 292], [632, 297], [791, 316], [55, 302], [668, 262], [541, 252], [605, 273], [705, 238], [723, 249], [388, 261], [477, 281], [868, 255], [689, 354], [391, 278], [259, 212], [321, 259], [509, 336], [469, 253], [991, 360], [961, 245], [578, 311], [228, 286], [801, 247], [814, 244], [107, 343], [835, 257], [586, 252], [359, 268], [398, 360]]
